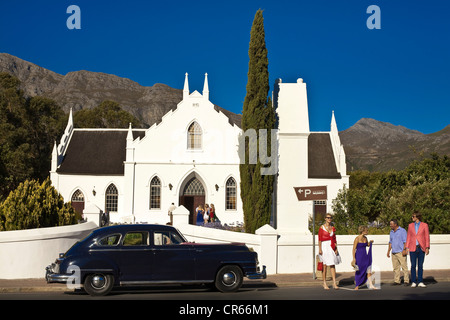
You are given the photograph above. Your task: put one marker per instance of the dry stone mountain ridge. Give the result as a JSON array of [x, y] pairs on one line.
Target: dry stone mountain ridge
[[85, 89], [369, 144], [380, 146]]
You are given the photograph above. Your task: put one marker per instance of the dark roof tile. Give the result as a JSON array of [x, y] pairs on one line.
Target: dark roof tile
[[321, 163], [96, 152]]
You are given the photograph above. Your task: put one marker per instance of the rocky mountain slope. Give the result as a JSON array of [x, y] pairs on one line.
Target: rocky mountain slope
[[85, 89], [374, 145], [369, 144]]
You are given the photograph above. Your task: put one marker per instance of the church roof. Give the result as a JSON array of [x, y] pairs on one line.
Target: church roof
[[96, 152], [321, 163], [103, 152]]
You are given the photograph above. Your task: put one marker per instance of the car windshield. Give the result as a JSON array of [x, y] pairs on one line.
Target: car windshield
[[183, 239]]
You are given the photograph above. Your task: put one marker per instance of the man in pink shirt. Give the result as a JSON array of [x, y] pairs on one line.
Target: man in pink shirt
[[418, 244]]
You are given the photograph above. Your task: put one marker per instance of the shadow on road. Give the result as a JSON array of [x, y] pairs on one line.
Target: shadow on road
[[169, 289]]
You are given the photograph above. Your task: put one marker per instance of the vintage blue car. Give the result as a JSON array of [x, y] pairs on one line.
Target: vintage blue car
[[124, 255]]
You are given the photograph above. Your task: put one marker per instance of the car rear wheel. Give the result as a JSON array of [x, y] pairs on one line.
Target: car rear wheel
[[229, 278], [98, 284]]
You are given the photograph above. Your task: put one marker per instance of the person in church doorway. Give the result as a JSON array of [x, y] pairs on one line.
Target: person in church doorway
[[200, 213], [212, 211], [207, 216], [328, 250]]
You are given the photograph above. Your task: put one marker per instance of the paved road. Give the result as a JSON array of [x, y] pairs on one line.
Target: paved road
[[435, 291], [269, 302]]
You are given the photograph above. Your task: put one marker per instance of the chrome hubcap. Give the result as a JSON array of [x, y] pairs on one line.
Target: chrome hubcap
[[229, 278], [98, 281]]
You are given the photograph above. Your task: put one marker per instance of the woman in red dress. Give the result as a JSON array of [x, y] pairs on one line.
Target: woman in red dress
[[328, 250]]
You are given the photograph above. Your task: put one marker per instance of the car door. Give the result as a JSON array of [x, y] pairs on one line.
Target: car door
[[173, 260], [136, 257]]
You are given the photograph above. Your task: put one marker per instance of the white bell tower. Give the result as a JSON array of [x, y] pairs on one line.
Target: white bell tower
[[291, 104]]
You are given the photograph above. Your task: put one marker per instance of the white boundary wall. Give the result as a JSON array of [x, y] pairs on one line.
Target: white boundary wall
[[295, 254], [25, 253]]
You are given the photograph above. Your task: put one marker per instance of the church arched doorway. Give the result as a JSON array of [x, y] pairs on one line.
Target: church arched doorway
[[191, 196]]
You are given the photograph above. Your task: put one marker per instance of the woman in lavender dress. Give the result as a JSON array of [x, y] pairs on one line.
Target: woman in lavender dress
[[362, 259]]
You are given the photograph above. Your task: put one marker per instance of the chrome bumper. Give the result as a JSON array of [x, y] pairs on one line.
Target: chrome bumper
[[53, 277], [257, 275]]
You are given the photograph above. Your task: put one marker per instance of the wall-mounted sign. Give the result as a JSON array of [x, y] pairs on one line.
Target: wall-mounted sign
[[311, 193]]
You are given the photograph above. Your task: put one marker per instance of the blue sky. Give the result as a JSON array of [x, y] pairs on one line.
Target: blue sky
[[398, 74]]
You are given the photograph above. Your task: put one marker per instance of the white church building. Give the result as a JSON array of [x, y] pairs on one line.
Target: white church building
[[191, 158]]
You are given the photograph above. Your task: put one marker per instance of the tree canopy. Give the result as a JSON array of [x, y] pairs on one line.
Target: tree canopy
[[374, 198], [29, 126], [107, 114], [28, 129]]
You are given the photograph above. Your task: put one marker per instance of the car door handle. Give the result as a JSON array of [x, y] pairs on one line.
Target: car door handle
[[199, 250]]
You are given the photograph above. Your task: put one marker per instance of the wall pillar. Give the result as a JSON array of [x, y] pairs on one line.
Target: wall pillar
[[268, 249], [180, 216], [92, 213]]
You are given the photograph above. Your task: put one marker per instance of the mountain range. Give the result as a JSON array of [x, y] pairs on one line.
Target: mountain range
[[369, 144], [380, 146]]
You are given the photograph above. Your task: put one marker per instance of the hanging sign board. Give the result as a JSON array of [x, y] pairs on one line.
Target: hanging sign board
[[311, 193]]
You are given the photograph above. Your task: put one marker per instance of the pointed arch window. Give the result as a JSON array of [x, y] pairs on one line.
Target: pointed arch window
[[230, 194], [111, 199], [194, 137], [77, 200], [194, 188], [78, 196], [155, 193]]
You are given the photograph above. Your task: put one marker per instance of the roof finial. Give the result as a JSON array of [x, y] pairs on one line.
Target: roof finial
[[333, 123], [70, 121], [186, 87], [206, 88]]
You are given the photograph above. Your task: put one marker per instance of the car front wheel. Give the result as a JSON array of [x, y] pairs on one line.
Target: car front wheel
[[229, 279], [98, 284]]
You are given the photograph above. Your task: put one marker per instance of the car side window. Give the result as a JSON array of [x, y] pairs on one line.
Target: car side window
[[166, 238], [111, 240], [136, 238]]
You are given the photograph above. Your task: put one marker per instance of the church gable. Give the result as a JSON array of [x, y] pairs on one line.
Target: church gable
[[195, 130]]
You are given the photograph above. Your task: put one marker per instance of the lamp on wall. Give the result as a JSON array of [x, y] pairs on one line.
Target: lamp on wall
[[94, 192], [170, 186], [217, 187]]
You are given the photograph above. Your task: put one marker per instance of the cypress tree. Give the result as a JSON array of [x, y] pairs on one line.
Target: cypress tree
[[258, 113]]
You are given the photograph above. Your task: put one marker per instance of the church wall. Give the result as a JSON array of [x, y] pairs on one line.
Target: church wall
[[173, 179], [87, 184]]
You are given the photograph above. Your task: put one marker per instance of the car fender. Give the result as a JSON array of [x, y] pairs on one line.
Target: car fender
[[89, 264]]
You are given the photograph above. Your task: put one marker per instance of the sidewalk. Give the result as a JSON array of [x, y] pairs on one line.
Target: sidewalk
[[347, 278], [277, 280]]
